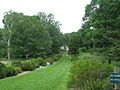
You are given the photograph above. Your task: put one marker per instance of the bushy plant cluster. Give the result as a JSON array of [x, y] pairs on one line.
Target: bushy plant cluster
[[113, 53], [17, 67], [56, 56], [29, 65], [7, 70], [90, 75]]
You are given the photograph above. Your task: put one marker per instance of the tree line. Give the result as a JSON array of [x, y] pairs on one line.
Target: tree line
[[25, 36], [100, 30], [95, 48]]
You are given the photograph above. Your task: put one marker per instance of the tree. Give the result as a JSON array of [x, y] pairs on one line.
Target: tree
[[103, 16], [10, 18], [30, 36], [74, 44], [2, 44], [53, 28]]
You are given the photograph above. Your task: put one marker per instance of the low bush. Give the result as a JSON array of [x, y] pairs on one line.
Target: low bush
[[2, 71], [18, 70], [10, 71], [56, 57], [90, 75], [27, 66], [7, 70], [16, 67], [50, 60], [42, 62], [16, 63], [59, 55], [35, 62]]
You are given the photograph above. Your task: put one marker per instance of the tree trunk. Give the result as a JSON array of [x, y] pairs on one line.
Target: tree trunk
[[8, 48], [27, 56]]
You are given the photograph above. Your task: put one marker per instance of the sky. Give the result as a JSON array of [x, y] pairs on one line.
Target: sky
[[68, 12]]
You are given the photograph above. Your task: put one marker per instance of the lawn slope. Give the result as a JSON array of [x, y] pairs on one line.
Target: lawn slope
[[54, 77]]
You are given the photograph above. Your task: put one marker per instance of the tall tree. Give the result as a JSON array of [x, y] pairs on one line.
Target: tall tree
[[74, 44], [53, 28], [10, 18], [104, 17]]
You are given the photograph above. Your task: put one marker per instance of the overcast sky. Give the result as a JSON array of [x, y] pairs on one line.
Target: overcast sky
[[68, 12]]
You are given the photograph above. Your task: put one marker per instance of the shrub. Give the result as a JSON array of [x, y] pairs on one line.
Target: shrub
[[56, 57], [90, 75], [10, 71], [59, 55], [7, 70], [50, 60], [18, 70], [42, 62], [113, 53], [32, 63], [27, 66], [35, 62], [2, 71], [16, 63]]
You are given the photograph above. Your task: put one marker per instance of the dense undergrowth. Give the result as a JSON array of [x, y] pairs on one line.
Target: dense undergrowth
[[89, 72]]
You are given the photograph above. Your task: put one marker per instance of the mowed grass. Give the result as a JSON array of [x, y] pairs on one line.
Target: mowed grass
[[54, 77]]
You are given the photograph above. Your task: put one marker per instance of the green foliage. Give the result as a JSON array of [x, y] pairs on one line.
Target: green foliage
[[74, 44], [50, 60], [8, 70], [16, 63], [53, 28], [74, 58], [31, 64], [56, 57], [42, 62], [100, 30], [17, 70], [16, 67], [54, 77], [2, 71], [98, 85], [27, 66], [113, 54], [102, 19], [29, 36], [90, 74]]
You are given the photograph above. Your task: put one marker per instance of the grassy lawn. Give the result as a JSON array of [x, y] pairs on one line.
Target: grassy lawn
[[54, 77]]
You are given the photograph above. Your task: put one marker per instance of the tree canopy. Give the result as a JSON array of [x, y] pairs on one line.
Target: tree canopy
[[26, 36]]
